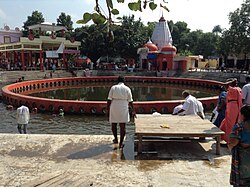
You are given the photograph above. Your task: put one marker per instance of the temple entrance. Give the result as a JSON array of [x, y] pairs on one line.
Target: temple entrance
[[164, 65]]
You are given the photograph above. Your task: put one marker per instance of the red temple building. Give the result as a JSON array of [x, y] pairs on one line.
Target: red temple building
[[158, 53]]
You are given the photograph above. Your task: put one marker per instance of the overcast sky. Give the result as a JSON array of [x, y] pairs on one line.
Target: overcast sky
[[198, 14]]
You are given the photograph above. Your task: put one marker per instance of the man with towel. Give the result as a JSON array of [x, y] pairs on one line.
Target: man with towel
[[119, 100], [23, 117]]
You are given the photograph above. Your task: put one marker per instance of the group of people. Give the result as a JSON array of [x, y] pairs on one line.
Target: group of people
[[120, 100], [233, 118], [231, 99]]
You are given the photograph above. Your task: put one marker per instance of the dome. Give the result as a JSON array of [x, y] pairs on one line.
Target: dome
[[151, 46], [168, 48]]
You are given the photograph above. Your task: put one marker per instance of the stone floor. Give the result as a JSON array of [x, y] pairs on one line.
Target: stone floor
[[89, 160]]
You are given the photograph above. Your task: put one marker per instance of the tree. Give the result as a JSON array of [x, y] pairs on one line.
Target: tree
[[65, 20], [98, 16], [217, 29], [130, 36], [35, 18], [179, 30], [239, 32], [225, 45], [93, 40]]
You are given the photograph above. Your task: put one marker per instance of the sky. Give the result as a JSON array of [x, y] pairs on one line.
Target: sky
[[198, 14]]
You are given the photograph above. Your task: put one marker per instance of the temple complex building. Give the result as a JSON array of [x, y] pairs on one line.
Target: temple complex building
[[41, 49]]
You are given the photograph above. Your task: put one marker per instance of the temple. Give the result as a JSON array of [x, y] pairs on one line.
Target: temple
[[41, 49], [158, 53]]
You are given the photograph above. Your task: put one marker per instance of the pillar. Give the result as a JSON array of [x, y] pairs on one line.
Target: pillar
[[22, 58], [63, 33], [40, 31], [64, 64], [41, 60], [30, 59]]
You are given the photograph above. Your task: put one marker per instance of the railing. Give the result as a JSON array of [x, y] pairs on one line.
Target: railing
[[17, 94]]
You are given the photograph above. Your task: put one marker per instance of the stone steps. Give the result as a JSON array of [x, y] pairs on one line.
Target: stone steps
[[13, 76], [218, 76]]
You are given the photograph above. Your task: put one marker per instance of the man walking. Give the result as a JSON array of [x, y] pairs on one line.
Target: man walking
[[119, 100]]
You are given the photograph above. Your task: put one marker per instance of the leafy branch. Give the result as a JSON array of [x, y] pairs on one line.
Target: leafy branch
[[99, 18]]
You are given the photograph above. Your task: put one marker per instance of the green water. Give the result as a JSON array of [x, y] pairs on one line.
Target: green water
[[141, 92]]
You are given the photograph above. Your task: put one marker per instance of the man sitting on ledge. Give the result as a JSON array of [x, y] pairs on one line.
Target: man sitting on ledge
[[191, 106]]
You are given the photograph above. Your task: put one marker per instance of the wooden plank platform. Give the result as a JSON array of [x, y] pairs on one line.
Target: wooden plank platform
[[176, 126]]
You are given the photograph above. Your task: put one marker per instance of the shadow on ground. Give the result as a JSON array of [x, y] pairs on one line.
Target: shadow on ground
[[162, 149]]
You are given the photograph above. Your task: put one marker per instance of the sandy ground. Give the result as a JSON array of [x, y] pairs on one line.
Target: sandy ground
[[89, 160]]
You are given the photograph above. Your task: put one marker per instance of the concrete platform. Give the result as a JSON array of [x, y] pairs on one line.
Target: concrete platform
[[89, 160]]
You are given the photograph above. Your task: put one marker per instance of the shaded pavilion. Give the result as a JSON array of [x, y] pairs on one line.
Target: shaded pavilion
[[31, 50]]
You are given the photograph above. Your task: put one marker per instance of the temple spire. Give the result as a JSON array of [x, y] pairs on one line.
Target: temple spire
[[161, 35]]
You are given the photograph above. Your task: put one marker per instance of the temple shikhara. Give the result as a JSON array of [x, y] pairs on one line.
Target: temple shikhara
[[41, 49], [158, 53]]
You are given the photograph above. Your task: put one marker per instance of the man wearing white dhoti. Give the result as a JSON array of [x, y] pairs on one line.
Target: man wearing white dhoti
[[23, 117], [119, 100]]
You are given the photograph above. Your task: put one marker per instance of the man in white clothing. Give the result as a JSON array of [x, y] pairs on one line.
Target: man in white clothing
[[190, 106], [119, 100], [23, 117], [177, 108], [200, 111], [245, 92]]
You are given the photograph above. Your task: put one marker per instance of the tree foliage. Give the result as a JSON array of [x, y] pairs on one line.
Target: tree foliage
[[98, 16], [217, 29], [236, 40], [65, 20], [35, 18], [129, 36]]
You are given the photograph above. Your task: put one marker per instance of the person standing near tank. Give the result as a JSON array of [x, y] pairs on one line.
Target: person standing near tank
[[23, 117], [221, 106], [246, 92], [119, 100]]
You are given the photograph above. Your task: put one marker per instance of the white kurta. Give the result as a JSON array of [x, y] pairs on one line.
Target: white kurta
[[190, 105], [120, 96], [23, 115]]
